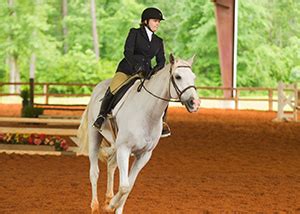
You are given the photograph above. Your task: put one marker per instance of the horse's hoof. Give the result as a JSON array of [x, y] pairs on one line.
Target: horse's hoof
[[95, 208], [108, 209], [95, 211], [107, 200]]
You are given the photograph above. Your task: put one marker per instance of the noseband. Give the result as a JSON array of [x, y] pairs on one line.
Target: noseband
[[178, 91]]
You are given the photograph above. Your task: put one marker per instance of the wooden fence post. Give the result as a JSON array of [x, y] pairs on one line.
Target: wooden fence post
[[46, 91], [236, 99], [270, 92], [295, 102], [285, 99]]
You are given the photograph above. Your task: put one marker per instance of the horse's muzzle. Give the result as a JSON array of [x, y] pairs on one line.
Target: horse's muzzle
[[192, 105]]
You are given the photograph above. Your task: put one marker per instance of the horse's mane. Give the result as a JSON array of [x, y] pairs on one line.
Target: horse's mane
[[178, 62], [166, 68]]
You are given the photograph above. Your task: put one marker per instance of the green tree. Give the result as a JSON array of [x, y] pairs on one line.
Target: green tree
[[268, 39]]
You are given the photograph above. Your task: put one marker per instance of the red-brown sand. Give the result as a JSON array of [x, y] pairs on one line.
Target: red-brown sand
[[215, 161]]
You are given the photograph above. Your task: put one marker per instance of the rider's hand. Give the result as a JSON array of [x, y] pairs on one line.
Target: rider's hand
[[148, 75], [139, 68]]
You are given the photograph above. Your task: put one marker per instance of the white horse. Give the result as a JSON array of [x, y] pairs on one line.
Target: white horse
[[138, 116]]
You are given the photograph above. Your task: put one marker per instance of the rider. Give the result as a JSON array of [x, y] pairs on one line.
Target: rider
[[140, 47]]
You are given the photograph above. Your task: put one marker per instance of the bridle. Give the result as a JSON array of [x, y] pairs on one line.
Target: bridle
[[178, 91]]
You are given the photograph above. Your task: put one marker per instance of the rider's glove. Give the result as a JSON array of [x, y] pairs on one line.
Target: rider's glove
[[139, 68]]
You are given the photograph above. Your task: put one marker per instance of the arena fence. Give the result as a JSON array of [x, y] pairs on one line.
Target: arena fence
[[236, 98], [288, 96]]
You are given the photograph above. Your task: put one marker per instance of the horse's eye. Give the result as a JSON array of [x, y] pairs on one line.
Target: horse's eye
[[178, 77]]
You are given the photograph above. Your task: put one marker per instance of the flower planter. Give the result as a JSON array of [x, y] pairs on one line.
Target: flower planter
[[33, 142]]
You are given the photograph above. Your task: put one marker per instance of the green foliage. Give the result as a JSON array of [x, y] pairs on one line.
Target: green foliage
[[25, 97], [268, 39], [268, 42], [27, 109], [75, 67], [194, 33]]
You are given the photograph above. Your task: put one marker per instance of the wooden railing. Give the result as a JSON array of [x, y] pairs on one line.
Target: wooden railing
[[46, 87], [45, 130], [236, 98], [236, 91]]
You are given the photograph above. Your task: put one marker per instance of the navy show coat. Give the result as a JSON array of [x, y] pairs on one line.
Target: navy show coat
[[139, 51]]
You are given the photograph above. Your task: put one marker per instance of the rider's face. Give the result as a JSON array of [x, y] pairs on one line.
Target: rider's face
[[154, 24]]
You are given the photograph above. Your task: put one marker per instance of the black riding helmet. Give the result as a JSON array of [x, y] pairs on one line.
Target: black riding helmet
[[151, 13]]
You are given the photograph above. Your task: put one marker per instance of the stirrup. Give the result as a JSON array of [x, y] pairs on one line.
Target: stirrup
[[166, 131]]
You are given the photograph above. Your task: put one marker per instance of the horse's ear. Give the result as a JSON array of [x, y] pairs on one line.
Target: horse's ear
[[191, 60], [172, 59]]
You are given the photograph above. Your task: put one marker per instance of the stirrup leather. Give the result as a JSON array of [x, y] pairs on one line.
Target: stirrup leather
[[111, 120]]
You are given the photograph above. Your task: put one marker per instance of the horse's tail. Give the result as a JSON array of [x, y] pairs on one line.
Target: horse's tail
[[83, 142], [82, 134]]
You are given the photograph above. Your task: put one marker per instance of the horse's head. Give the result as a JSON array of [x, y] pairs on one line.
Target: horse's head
[[183, 83]]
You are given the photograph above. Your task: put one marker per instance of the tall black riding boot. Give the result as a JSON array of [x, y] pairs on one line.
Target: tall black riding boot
[[105, 109]]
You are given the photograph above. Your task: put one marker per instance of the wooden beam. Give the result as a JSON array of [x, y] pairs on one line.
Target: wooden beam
[[224, 12], [39, 120], [47, 131]]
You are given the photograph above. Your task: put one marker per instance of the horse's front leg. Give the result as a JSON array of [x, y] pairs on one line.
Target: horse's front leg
[[111, 168], [94, 145], [136, 167], [123, 153]]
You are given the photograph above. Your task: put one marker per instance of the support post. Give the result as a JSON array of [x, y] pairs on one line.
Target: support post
[[225, 11], [31, 91]]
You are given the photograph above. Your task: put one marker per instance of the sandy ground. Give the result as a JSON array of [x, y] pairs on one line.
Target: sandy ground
[[215, 161]]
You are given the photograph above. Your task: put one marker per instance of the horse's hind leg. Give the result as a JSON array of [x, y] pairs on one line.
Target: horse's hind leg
[[111, 168], [94, 145]]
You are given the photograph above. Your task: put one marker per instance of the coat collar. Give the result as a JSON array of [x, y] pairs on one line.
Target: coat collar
[[149, 33], [144, 33]]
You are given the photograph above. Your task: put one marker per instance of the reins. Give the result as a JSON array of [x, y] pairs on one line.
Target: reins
[[178, 91]]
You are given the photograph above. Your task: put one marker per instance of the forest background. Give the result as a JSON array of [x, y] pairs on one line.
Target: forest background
[[54, 38]]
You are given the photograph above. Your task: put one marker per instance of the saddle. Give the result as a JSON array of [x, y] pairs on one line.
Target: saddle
[[117, 97], [120, 93]]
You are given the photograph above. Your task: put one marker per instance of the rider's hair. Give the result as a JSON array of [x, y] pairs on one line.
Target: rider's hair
[[143, 24]]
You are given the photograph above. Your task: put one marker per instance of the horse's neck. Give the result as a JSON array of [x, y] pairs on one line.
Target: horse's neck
[[158, 85], [159, 82]]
